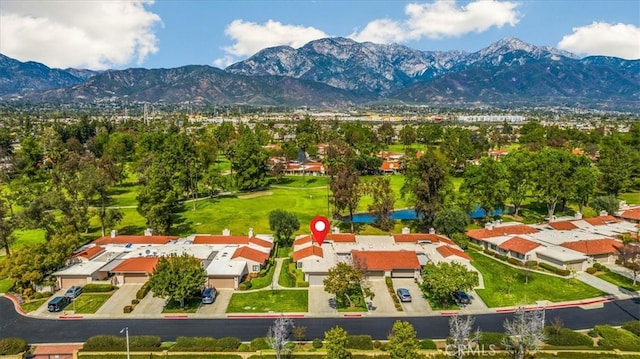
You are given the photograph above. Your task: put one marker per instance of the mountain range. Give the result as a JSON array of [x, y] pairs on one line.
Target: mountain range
[[339, 72]]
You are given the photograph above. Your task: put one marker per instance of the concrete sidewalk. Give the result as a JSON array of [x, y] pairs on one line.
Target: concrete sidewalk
[[605, 286]]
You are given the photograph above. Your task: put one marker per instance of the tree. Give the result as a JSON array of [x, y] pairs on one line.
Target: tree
[[407, 135], [585, 184], [629, 255], [299, 332], [532, 136], [554, 176], [343, 281], [178, 277], [402, 341], [524, 332], [487, 185], [383, 200], [444, 278], [249, 162], [336, 343], [7, 225], [450, 221], [609, 204], [458, 147], [283, 224], [157, 199], [615, 165], [462, 337], [345, 190], [278, 335], [386, 132], [427, 185]]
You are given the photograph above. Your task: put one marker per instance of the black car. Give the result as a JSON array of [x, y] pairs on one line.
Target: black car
[[461, 297]]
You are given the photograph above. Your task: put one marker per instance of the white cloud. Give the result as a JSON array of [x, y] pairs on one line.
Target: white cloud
[[82, 34], [601, 38], [381, 31]]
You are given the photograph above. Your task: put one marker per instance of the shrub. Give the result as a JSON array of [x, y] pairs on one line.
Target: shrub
[[244, 286], [491, 338], [359, 342], [303, 284], [127, 309], [474, 246], [376, 344], [259, 344], [37, 295], [488, 252], [290, 345], [317, 343], [228, 344], [618, 261], [46, 294], [104, 342], [399, 307], [566, 337], [515, 262], [27, 293], [244, 348], [143, 291], [632, 326], [144, 342], [598, 266], [135, 302], [613, 338], [563, 272], [428, 344], [195, 344], [12, 346], [547, 266], [531, 264], [97, 288], [591, 270]]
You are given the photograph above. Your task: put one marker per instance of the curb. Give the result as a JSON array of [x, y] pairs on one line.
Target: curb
[[258, 316], [559, 305], [176, 317], [352, 315], [67, 317], [16, 304]]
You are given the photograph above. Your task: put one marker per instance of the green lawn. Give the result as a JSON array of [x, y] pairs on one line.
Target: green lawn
[[5, 285], [88, 303], [540, 286], [631, 197], [30, 306], [190, 306], [285, 278], [619, 280], [278, 301], [263, 282]]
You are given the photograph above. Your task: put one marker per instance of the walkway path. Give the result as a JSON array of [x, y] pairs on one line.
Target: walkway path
[[604, 286]]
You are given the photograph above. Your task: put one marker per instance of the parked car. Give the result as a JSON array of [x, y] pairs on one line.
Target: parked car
[[209, 295], [404, 295], [73, 292], [461, 297], [57, 304]]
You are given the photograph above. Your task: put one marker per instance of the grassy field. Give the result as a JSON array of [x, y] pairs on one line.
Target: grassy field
[[277, 301], [5, 285], [263, 282], [539, 287], [30, 306], [89, 303], [619, 280]]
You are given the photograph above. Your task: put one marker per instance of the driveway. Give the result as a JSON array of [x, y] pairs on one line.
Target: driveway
[[219, 306], [477, 304], [382, 300], [119, 299], [321, 302], [418, 304], [149, 305], [43, 310]]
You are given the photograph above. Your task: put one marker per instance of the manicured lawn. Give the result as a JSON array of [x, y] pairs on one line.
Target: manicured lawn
[[359, 303], [32, 305], [5, 285], [631, 197], [278, 301], [619, 280], [285, 278], [263, 282], [89, 303], [190, 306], [30, 236], [283, 252], [302, 181], [540, 286]]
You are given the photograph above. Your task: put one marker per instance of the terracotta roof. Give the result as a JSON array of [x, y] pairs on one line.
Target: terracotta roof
[[46, 350], [562, 225], [501, 231], [386, 260], [631, 214], [90, 252], [251, 254], [136, 265], [341, 237], [135, 239], [415, 237], [302, 240], [594, 247], [390, 165], [220, 239], [577, 151], [447, 251], [601, 220], [312, 250], [313, 167], [261, 242], [519, 245]]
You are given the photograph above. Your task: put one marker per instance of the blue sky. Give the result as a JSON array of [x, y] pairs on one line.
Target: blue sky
[[168, 33]]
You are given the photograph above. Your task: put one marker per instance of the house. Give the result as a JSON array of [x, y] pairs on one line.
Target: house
[[632, 214], [603, 250], [134, 270], [380, 264]]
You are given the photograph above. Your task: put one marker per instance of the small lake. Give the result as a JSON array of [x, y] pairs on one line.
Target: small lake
[[409, 214]]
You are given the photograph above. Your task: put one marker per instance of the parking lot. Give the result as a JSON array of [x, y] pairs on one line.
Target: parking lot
[[418, 304]]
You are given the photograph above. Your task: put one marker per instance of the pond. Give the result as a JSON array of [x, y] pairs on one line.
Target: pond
[[409, 214]]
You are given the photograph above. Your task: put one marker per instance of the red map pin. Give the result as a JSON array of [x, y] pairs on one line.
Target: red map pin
[[319, 227]]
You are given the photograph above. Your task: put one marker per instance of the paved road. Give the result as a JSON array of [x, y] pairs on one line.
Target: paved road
[[57, 331]]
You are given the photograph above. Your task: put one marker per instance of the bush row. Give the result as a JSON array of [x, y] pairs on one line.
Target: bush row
[[632, 326], [474, 246], [612, 338], [206, 344], [591, 270], [362, 342], [566, 337], [98, 288], [143, 291], [10, 346], [116, 343], [556, 270], [40, 295], [392, 293]]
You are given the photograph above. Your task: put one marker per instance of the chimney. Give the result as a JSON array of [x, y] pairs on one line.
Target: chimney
[[148, 232], [335, 230], [226, 232], [578, 215], [604, 213], [250, 233], [114, 233], [432, 230], [406, 230]]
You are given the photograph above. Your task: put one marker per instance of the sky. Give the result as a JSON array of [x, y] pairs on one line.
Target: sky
[[98, 35]]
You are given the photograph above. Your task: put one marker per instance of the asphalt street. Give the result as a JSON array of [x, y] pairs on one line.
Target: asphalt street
[[436, 327]]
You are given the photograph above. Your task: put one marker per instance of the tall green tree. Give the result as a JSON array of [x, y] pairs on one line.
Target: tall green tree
[[157, 199], [615, 165], [554, 176], [346, 191], [177, 277], [336, 343], [7, 226], [344, 281], [283, 224], [586, 182], [450, 221], [407, 135], [386, 133], [249, 162], [427, 185], [519, 165], [487, 185], [383, 197], [442, 279], [403, 343]]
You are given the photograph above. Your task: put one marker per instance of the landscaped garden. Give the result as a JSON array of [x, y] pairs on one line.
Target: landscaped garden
[[89, 303], [31, 305], [505, 285], [276, 301], [190, 306]]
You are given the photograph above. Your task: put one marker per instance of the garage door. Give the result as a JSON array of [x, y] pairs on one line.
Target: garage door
[[375, 274], [67, 282], [135, 278], [316, 279], [403, 273], [222, 283]]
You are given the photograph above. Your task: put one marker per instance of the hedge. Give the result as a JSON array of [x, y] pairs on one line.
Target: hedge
[[556, 270], [362, 342], [206, 344], [472, 245], [127, 309], [566, 337], [116, 343], [613, 338], [12, 346], [98, 288], [515, 262], [143, 291], [427, 344], [317, 343], [259, 344], [632, 326], [591, 270], [491, 338]]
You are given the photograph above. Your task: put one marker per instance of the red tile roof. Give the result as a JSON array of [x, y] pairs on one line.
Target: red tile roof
[[501, 231], [447, 251], [251, 254], [601, 220], [594, 247], [90, 252], [136, 265], [386, 260], [390, 165], [302, 240], [261, 242], [341, 237], [312, 250], [519, 245], [220, 239], [135, 239], [631, 214], [562, 225]]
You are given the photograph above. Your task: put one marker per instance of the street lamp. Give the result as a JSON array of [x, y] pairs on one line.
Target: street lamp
[[126, 331]]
